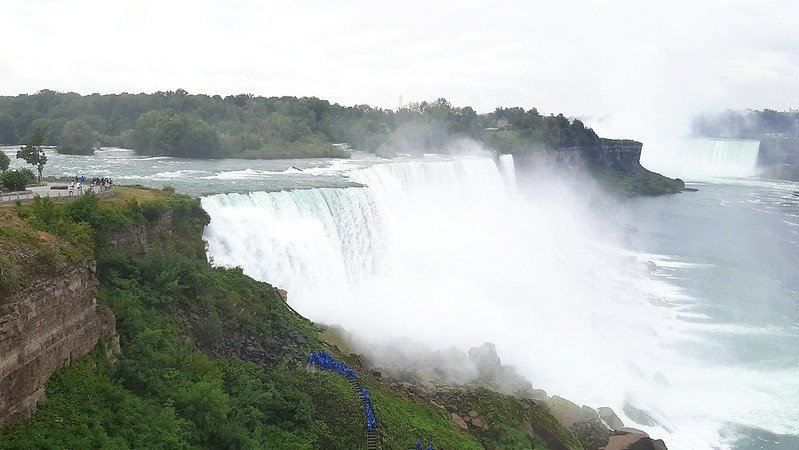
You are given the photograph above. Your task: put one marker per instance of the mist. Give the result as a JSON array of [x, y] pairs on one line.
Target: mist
[[441, 254]]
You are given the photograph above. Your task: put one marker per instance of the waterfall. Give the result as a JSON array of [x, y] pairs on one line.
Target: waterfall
[[702, 158], [508, 169], [446, 253]]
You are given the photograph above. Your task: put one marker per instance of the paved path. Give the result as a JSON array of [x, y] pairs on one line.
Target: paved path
[[45, 191]]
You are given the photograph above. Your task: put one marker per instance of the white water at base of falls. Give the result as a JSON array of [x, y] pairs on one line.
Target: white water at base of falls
[[702, 158], [448, 254]]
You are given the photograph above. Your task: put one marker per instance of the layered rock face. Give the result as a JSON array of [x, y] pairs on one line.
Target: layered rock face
[[42, 328], [610, 154], [618, 154]]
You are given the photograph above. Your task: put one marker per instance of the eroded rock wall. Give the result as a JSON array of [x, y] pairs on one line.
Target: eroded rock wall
[[620, 154], [42, 328]]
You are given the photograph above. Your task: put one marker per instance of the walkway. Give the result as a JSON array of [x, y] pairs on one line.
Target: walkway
[[54, 190]]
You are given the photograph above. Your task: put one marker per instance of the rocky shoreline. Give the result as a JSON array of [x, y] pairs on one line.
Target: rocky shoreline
[[452, 379]]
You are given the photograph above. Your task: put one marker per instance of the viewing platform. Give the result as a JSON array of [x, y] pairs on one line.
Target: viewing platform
[[56, 190]]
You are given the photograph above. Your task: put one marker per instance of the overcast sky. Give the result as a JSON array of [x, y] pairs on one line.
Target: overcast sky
[[647, 63]]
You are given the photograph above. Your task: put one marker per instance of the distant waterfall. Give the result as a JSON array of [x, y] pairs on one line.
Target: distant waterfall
[[700, 158]]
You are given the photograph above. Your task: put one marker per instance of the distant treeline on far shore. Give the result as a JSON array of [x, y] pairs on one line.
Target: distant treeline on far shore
[[176, 123]]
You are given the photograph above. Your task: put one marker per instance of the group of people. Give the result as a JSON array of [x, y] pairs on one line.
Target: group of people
[[371, 422], [325, 360], [419, 445], [96, 184]]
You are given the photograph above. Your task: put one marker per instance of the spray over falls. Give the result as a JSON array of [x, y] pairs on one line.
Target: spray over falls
[[446, 253]]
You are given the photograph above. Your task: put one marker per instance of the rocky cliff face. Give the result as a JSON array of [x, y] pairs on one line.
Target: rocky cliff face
[[42, 328], [609, 154], [136, 239], [617, 154]]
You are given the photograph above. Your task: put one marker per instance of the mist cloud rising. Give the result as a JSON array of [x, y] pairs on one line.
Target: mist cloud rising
[[648, 65]]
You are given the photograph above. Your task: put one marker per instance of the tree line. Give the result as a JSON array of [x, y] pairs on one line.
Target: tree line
[[176, 123]]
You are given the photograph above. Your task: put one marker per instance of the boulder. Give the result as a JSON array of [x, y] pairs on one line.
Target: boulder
[[610, 418], [564, 411], [633, 439], [639, 416], [459, 421], [539, 394], [591, 434], [486, 360], [589, 414]]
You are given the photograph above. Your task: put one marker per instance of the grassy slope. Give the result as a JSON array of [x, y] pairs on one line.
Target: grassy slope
[[627, 183], [213, 359]]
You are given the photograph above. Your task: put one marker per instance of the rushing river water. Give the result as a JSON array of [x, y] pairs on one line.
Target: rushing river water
[[447, 251]]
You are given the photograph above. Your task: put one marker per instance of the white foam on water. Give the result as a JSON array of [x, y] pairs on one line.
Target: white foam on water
[[244, 174]]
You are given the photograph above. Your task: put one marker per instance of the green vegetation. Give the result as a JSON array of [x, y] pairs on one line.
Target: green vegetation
[[32, 152], [16, 179], [632, 183], [77, 138], [530, 131], [166, 132], [209, 357], [5, 161], [176, 123]]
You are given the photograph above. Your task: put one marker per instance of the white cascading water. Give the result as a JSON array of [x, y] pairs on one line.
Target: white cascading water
[[446, 253], [508, 171], [702, 158]]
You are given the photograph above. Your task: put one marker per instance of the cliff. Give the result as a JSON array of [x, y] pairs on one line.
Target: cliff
[[620, 154], [614, 163], [49, 316]]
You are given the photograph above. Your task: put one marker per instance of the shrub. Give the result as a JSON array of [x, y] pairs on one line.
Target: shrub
[[17, 179]]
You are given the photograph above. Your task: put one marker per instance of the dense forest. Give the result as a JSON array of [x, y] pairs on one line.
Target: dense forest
[[176, 123]]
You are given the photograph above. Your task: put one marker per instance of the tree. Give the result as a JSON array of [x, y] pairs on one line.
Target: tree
[[33, 153], [16, 180], [77, 138], [169, 133], [8, 130], [5, 161]]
